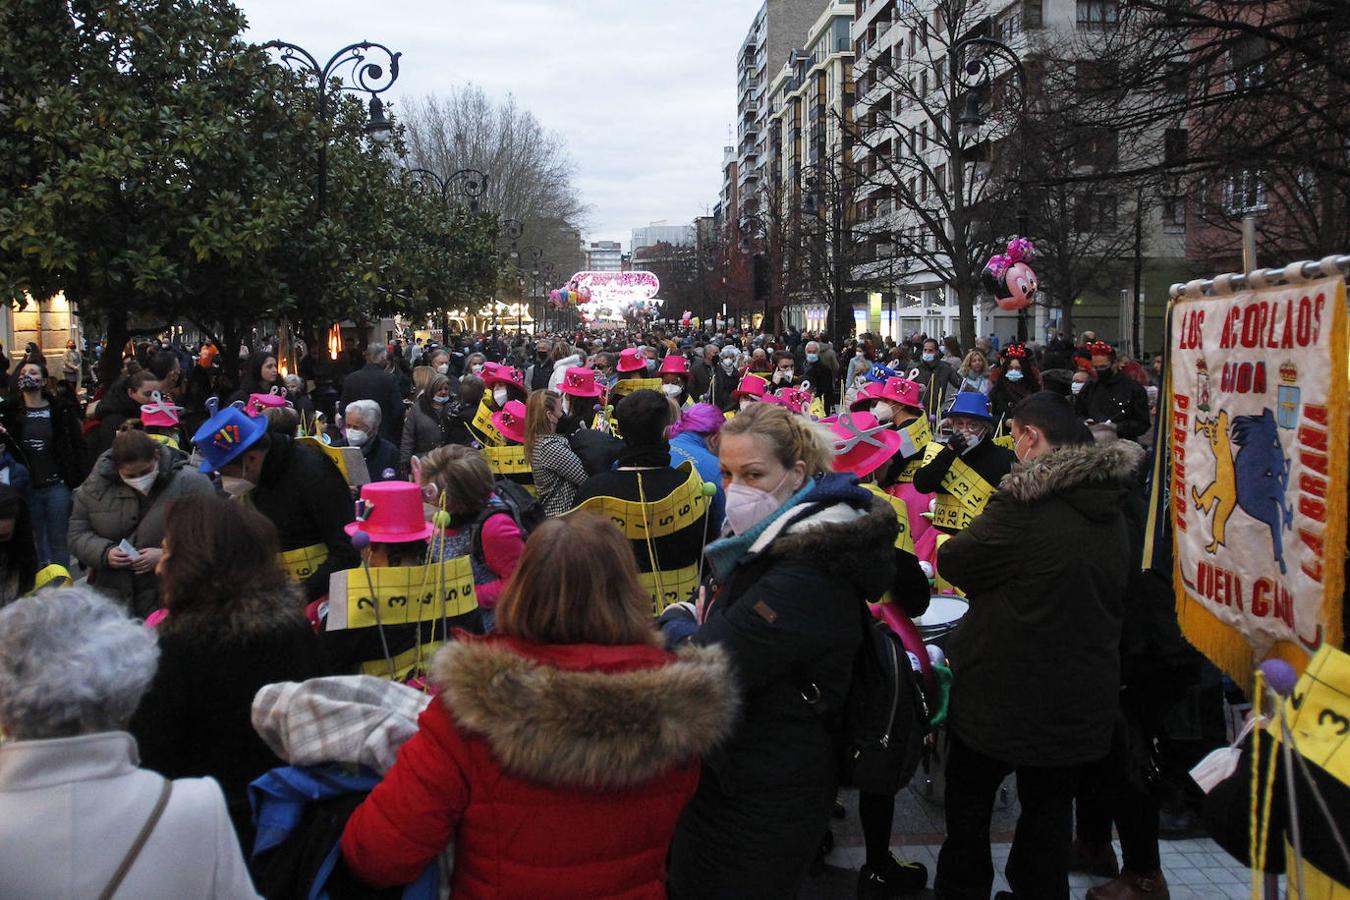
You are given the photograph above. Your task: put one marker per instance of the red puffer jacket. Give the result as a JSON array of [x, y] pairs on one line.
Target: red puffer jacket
[[558, 770]]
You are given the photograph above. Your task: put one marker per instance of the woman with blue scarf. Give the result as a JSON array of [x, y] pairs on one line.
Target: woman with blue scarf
[[803, 548]]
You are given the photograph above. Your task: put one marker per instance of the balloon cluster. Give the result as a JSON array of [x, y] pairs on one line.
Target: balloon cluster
[[560, 298], [1008, 276]]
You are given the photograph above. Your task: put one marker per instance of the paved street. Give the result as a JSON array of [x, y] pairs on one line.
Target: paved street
[[1195, 869]]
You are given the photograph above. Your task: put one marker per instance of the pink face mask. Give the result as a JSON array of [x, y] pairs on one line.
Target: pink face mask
[[748, 506]]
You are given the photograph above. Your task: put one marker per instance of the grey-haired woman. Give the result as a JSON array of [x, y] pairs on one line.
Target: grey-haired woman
[[73, 668]]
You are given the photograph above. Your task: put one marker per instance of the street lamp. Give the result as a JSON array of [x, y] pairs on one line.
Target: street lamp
[[976, 75], [468, 184], [371, 77]]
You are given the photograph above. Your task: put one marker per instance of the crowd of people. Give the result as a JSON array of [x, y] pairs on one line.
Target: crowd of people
[[586, 609]]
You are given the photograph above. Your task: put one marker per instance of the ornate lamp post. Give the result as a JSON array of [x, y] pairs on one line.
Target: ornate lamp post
[[468, 185], [369, 77]]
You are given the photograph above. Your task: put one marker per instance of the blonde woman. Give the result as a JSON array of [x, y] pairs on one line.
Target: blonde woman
[[804, 548], [974, 373]]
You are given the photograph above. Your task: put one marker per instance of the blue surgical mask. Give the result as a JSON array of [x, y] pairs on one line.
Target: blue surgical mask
[[1014, 375], [813, 357], [929, 357]]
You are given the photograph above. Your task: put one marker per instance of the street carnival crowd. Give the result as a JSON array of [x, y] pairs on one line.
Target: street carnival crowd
[[598, 613]]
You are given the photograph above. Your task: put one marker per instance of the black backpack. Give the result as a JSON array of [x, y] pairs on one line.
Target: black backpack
[[885, 717], [523, 507]]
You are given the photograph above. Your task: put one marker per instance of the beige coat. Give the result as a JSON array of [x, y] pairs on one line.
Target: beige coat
[[71, 807]]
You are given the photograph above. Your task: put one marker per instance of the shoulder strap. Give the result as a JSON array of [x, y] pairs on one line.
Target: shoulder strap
[[130, 859]]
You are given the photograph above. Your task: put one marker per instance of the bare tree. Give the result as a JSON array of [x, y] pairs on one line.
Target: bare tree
[[530, 177]]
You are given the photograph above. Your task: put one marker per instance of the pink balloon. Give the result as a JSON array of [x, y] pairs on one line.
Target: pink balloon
[[1019, 283]]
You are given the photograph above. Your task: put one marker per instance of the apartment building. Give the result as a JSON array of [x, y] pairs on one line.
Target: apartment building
[[906, 39], [604, 256], [778, 27]]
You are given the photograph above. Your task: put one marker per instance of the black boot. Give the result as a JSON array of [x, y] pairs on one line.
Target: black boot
[[893, 878]]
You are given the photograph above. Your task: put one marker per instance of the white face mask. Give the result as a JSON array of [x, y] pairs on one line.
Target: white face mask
[[883, 411], [748, 506], [729, 364], [356, 437], [783, 376], [477, 368], [1077, 387], [443, 368], [500, 396], [745, 402], [672, 390], [234, 486], [142, 483]]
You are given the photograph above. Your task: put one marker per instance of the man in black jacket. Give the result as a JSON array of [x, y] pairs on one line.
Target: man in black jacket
[[937, 378], [1113, 404], [1036, 659], [375, 382], [294, 485]]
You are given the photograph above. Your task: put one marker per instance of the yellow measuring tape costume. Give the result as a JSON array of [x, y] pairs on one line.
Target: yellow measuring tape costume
[[482, 428], [508, 461], [667, 536], [967, 493]]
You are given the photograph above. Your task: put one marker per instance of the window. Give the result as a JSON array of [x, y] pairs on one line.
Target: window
[[1176, 78], [1246, 60], [1009, 27], [1174, 147], [940, 176], [1244, 191], [1096, 212], [1174, 212], [1098, 14], [923, 136], [1033, 13], [923, 83], [1098, 147]]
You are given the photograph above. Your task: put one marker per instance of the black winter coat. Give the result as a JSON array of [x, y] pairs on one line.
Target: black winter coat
[[196, 718], [789, 616], [1118, 399], [373, 383], [305, 497], [68, 442], [1045, 567]]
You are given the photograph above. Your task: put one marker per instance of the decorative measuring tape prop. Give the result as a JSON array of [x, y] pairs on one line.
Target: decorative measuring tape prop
[[940, 584], [905, 539], [401, 595], [915, 438], [483, 429], [642, 523], [348, 460], [508, 461], [626, 386], [966, 493], [303, 562]]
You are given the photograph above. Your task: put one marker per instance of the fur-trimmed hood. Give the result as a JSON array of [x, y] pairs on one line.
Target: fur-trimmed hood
[[1107, 468], [587, 727], [249, 614]]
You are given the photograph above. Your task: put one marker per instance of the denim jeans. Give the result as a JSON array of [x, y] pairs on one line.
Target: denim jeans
[[51, 520]]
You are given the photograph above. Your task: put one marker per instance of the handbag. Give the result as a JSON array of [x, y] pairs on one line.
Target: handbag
[[135, 850]]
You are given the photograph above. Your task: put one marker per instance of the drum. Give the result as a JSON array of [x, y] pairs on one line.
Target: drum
[[945, 612]]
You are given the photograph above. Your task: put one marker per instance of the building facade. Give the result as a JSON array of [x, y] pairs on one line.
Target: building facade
[[604, 256], [661, 233]]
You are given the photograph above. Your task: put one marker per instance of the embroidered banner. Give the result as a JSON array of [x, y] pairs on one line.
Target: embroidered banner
[[1258, 432]]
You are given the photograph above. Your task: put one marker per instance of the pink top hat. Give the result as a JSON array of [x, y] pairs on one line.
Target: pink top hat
[[631, 360], [750, 386], [391, 513], [580, 382], [159, 413], [861, 443], [504, 375], [867, 396], [256, 403], [902, 391], [675, 365], [510, 421], [796, 399]]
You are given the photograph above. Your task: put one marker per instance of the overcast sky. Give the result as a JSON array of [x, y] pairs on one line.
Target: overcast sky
[[644, 89]]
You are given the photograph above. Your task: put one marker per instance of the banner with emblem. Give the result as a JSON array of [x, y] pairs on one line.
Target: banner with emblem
[[1257, 425]]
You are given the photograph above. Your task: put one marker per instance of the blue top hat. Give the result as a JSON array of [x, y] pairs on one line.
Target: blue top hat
[[879, 373], [972, 404], [226, 435]]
